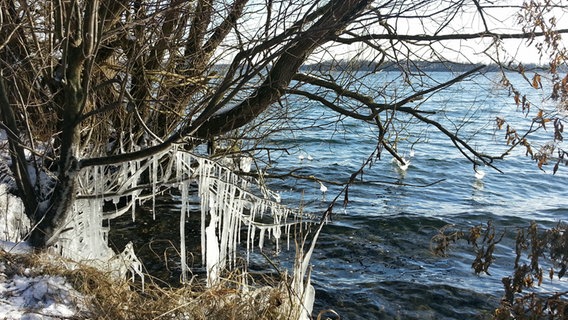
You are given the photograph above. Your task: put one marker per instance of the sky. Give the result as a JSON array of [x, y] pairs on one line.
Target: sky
[[500, 19], [505, 19], [501, 16]]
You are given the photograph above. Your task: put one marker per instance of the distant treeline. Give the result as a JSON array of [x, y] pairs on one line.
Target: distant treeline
[[409, 65]]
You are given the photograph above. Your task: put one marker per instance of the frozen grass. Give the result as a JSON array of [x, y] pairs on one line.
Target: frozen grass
[[38, 286]]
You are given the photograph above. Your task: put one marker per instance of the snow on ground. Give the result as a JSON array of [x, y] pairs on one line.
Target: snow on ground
[[25, 293]]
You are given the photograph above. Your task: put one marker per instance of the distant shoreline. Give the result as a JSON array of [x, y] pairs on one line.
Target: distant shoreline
[[424, 66], [409, 65]]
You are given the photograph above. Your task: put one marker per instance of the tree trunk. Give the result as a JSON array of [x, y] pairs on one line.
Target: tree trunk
[[49, 222]]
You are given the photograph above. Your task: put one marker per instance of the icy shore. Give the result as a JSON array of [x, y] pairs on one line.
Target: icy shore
[[26, 292]]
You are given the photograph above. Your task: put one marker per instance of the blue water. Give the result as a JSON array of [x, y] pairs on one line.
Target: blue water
[[373, 260]]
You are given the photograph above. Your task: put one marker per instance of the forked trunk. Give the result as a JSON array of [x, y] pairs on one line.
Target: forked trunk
[[50, 220]]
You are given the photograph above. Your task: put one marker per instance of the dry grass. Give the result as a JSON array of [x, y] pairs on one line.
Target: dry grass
[[110, 298]]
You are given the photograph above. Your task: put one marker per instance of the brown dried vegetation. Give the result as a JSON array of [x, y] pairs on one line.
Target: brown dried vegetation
[[106, 297], [536, 250]]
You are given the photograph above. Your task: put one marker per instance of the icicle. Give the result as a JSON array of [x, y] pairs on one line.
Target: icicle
[[170, 163], [229, 211], [133, 263], [276, 232], [183, 212], [213, 257], [133, 167], [250, 240], [204, 171], [236, 240], [179, 167], [288, 227], [253, 234], [238, 224], [245, 164], [93, 233], [302, 278], [154, 178], [133, 210], [309, 297], [261, 240]]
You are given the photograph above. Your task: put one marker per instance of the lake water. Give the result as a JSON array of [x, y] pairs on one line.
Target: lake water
[[373, 260]]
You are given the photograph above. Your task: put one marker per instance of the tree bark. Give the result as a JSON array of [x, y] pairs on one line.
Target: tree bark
[[79, 48], [50, 222]]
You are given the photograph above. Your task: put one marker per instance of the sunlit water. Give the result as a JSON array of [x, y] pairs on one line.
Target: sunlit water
[[374, 260]]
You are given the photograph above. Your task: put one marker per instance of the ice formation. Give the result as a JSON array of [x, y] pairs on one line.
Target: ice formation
[[13, 221], [479, 174], [229, 203]]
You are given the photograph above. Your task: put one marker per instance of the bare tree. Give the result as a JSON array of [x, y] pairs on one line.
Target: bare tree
[[104, 82]]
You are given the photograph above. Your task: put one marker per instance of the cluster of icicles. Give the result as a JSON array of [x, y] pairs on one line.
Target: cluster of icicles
[[229, 203]]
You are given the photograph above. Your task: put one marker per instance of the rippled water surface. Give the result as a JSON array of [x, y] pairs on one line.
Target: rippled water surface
[[373, 260]]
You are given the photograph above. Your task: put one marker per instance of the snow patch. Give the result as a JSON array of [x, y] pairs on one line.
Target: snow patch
[[37, 297], [13, 222], [15, 247]]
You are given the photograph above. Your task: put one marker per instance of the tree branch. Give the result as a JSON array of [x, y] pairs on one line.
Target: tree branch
[[433, 38], [19, 165], [324, 29]]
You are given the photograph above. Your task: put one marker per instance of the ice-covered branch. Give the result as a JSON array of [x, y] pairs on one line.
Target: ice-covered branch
[[229, 202]]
